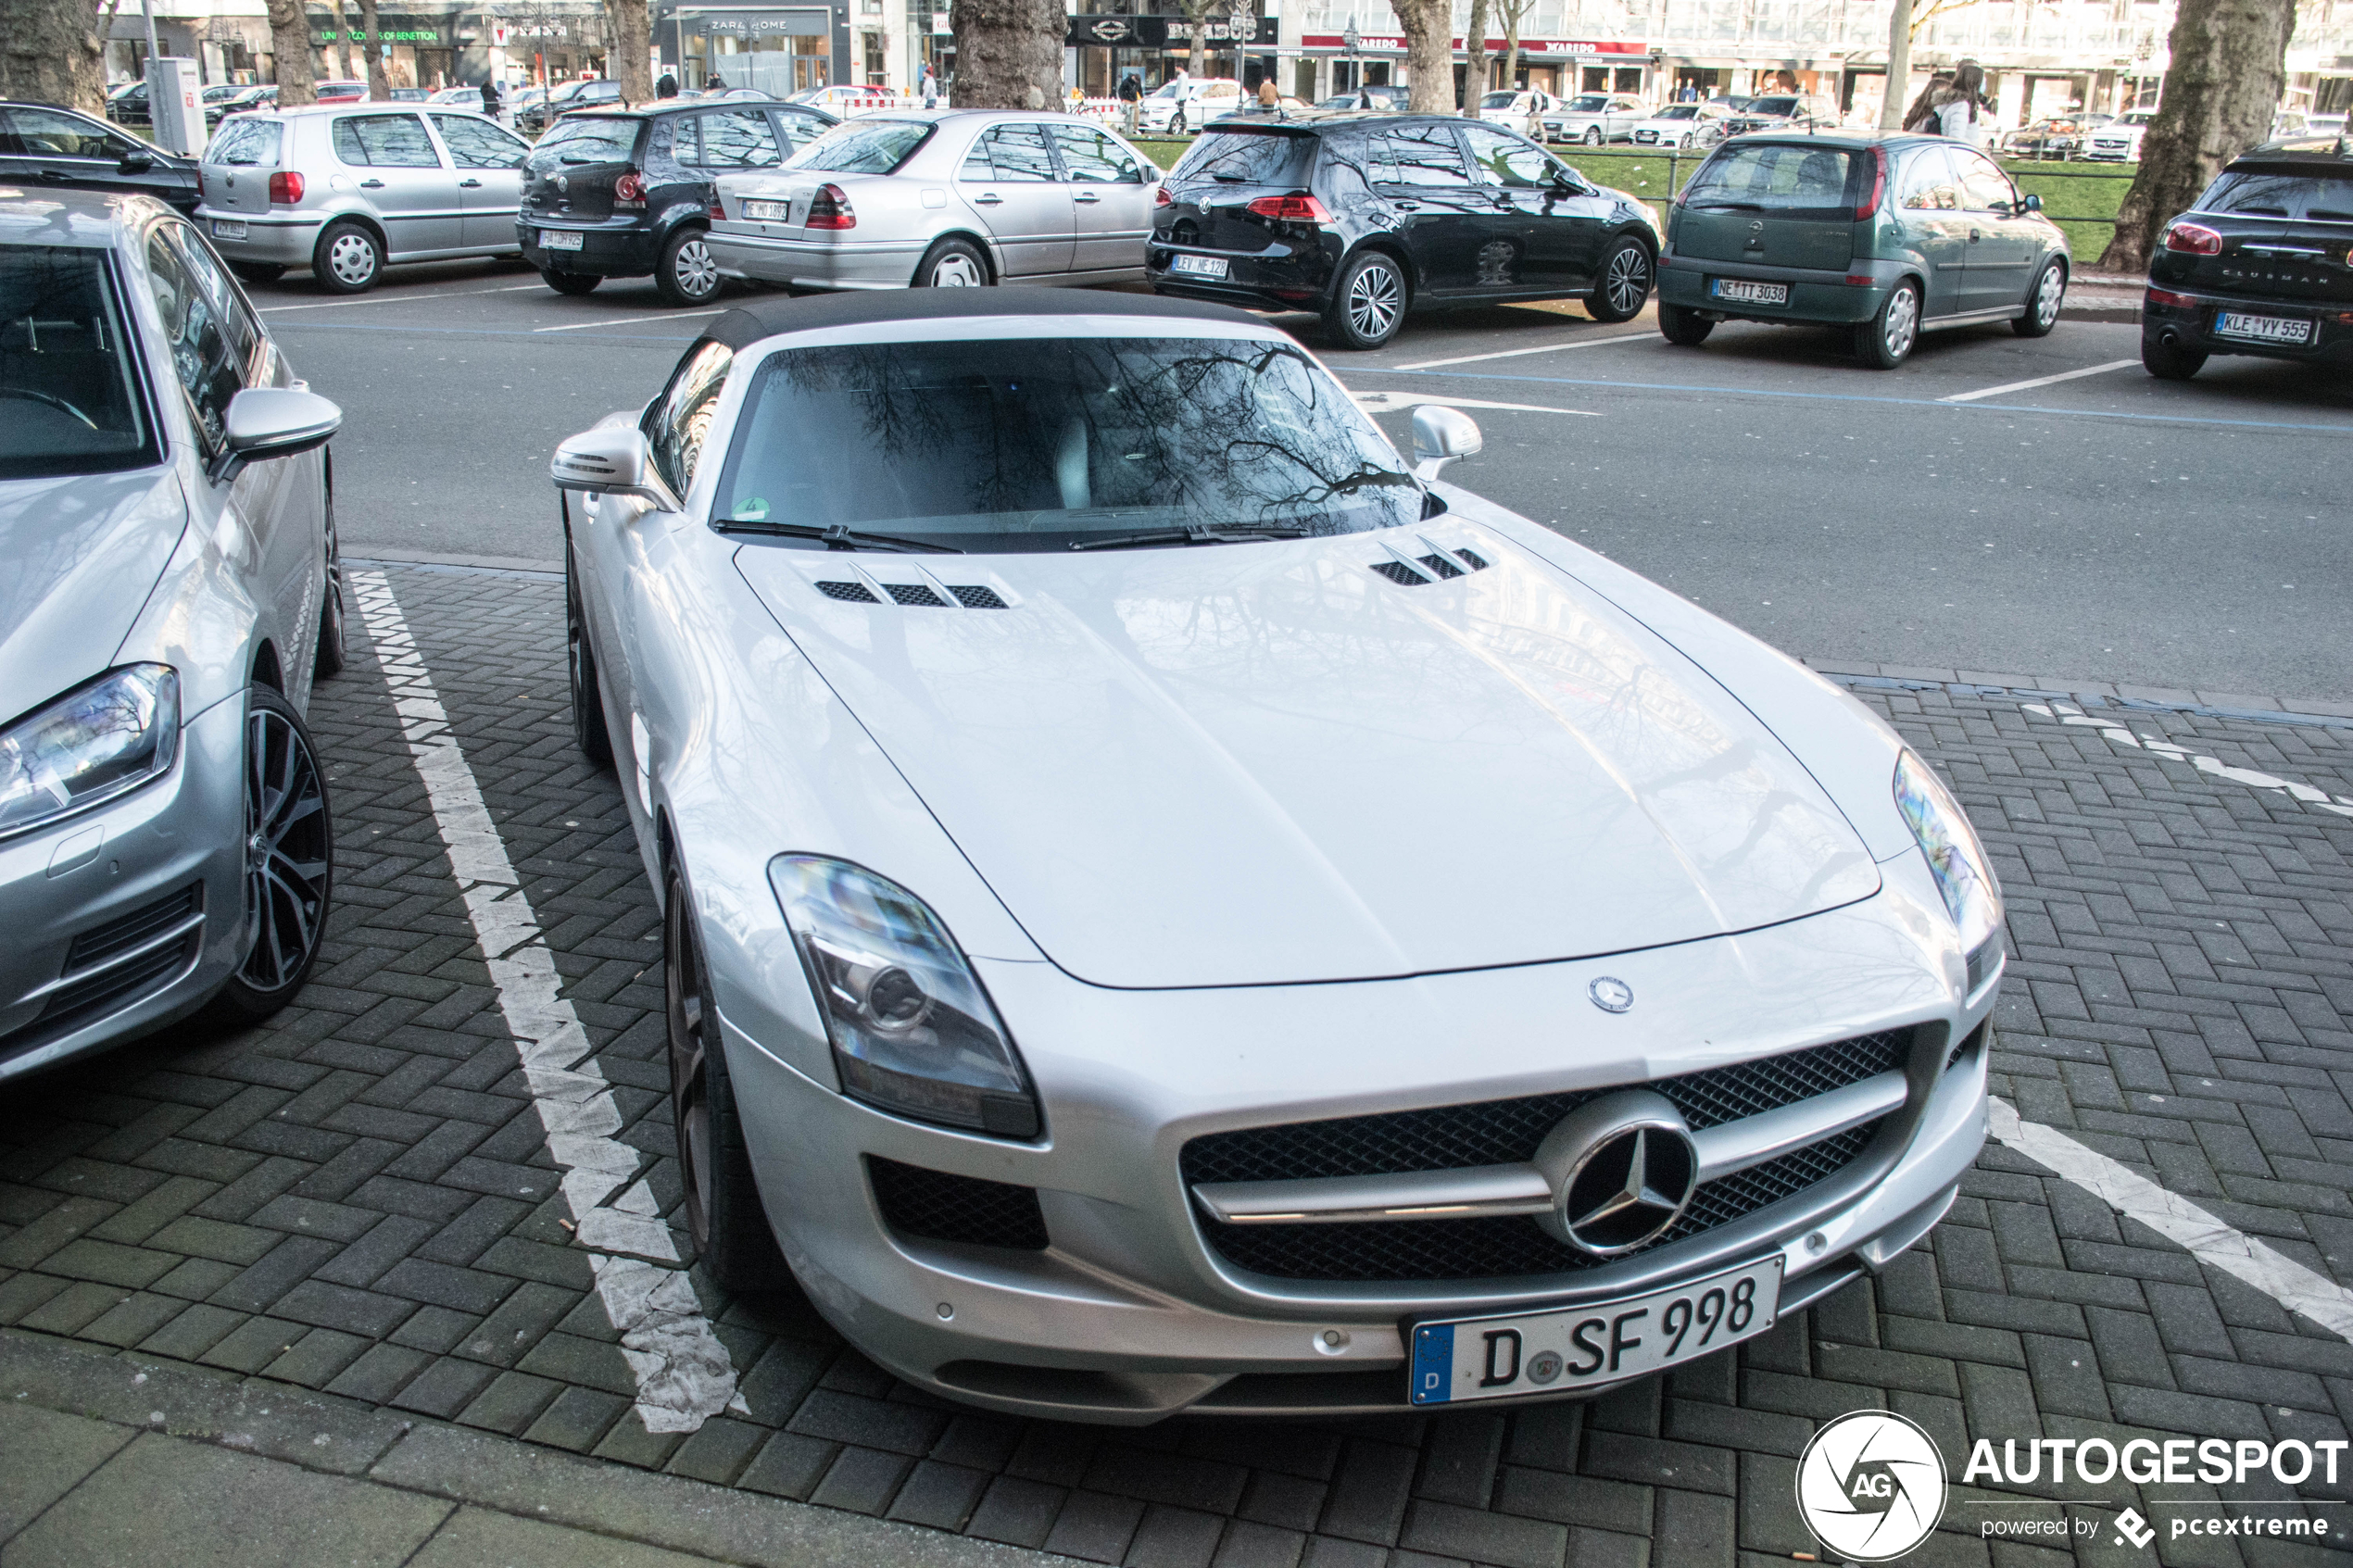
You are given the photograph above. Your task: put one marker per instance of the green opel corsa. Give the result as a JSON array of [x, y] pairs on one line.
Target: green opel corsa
[[1892, 234]]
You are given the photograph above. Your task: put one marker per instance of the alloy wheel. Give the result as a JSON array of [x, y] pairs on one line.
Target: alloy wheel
[[1903, 323], [689, 1077], [352, 259], [1374, 296], [695, 272], [1627, 281], [286, 851], [2047, 296], [956, 271]]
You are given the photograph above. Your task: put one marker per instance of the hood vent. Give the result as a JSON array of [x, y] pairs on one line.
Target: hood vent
[[916, 595], [856, 593], [1438, 566]]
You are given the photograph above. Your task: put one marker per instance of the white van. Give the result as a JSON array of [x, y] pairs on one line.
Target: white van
[[1178, 108]]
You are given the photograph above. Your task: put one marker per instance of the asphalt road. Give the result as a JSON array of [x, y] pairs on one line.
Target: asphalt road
[[2100, 526]]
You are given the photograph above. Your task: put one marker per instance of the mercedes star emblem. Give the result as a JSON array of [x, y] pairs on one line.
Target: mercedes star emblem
[[1611, 994], [1622, 1168]]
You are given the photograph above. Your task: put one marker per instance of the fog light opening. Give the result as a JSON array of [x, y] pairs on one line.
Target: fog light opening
[[947, 1310], [1331, 1341], [1816, 1242]]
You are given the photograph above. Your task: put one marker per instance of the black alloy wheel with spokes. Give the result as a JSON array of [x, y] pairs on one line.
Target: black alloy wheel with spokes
[[1623, 284], [289, 860], [1368, 303], [723, 1215]]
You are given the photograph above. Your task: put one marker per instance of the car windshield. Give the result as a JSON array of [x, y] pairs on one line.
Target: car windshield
[[1772, 106], [1250, 158], [1051, 444], [63, 372], [2140, 117], [1498, 100], [1678, 111], [1786, 179], [2258, 194], [1591, 103], [863, 146], [585, 139]]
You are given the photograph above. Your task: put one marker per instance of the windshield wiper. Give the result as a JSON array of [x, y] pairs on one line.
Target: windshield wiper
[[1225, 534], [834, 537]]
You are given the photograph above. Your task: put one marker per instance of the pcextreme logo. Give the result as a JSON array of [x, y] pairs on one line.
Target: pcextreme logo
[[1871, 1485]]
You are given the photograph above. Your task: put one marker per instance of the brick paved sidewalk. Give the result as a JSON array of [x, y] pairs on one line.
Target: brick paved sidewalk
[[357, 1200]]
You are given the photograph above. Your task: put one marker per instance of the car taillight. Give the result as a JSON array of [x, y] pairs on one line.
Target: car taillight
[[630, 187], [1291, 210], [2194, 238], [1161, 196], [829, 208], [286, 188], [1879, 186], [718, 212], [2171, 300]]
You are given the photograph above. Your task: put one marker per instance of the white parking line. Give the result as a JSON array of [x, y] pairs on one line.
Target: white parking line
[[625, 320], [1515, 353], [396, 298], [2208, 1239], [684, 1373], [1392, 402], [2038, 381]]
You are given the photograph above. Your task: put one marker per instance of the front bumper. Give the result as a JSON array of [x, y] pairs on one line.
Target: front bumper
[[2191, 326], [1130, 1315], [612, 247], [1812, 296], [744, 252], [284, 236], [129, 916]]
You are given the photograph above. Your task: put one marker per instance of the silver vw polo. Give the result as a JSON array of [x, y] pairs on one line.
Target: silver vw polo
[[168, 593]]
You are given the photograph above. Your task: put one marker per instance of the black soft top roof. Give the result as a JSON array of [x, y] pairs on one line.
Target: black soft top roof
[[2303, 154], [746, 324]]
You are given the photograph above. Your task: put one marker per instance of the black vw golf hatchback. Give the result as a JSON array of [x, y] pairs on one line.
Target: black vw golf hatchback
[[623, 194], [2263, 264], [1362, 216]]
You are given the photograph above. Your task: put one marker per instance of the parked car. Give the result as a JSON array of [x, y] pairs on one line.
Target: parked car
[[2057, 136], [1783, 111], [44, 145], [1361, 218], [944, 198], [2120, 140], [1524, 111], [1892, 233], [595, 93], [1374, 95], [167, 516], [348, 191], [458, 97], [341, 92], [127, 104], [1177, 108], [263, 96], [1684, 125], [951, 908], [621, 195], [1595, 118], [2259, 266], [847, 103]]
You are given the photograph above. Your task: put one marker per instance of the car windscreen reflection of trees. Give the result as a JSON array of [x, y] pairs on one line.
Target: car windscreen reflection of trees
[[1037, 443], [66, 404], [1250, 158], [870, 146]]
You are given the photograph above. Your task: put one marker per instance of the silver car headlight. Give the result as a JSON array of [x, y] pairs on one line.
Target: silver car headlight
[[1955, 855], [97, 741], [913, 1030]]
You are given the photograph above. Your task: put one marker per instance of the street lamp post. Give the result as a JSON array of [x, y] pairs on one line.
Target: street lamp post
[[1352, 38]]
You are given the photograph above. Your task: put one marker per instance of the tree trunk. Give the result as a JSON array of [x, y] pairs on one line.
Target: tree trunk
[[1428, 26], [632, 32], [1474, 45], [372, 48], [337, 53], [290, 52], [2230, 64], [1198, 61], [1512, 14], [1008, 52], [50, 54], [1899, 67]]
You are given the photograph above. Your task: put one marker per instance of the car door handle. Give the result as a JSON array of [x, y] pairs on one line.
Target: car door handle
[[1974, 236], [1407, 206], [371, 184], [1086, 196], [470, 184], [988, 198]]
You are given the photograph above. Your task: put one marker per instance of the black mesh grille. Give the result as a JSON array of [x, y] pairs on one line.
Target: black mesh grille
[[915, 594], [976, 598], [1441, 565], [1397, 571], [1968, 1041], [1476, 561], [1506, 1132], [1499, 1249], [931, 1203], [856, 593], [101, 943]]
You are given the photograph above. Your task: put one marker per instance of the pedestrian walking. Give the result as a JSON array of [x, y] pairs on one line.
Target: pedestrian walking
[[667, 87], [1131, 99], [490, 98], [715, 83], [927, 85], [1925, 113], [1962, 116], [1268, 99]]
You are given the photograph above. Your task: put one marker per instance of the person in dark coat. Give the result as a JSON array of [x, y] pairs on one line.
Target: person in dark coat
[[667, 87], [715, 83]]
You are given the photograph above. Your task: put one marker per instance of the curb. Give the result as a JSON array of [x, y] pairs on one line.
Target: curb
[[2090, 694]]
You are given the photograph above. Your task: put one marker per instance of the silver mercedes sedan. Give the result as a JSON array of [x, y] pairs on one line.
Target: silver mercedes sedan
[[168, 589], [942, 199]]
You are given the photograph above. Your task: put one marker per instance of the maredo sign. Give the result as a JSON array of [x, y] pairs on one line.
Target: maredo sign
[[1368, 45]]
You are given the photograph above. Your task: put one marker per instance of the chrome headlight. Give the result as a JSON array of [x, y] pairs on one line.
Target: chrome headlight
[[1954, 855], [913, 1030], [90, 745]]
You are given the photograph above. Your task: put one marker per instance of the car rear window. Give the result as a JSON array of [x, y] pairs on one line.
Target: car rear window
[[246, 144], [63, 366], [2256, 192], [1250, 158], [1788, 180], [863, 146], [588, 139]]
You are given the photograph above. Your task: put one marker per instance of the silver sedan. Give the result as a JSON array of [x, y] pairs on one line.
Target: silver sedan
[[169, 594], [942, 199]]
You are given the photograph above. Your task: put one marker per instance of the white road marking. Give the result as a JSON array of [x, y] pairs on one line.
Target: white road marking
[[684, 1373], [1390, 402], [625, 320], [2114, 730], [2208, 1239], [397, 298], [2038, 381], [1515, 353]]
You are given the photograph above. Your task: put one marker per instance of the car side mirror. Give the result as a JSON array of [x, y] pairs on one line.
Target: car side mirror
[[1441, 435], [135, 162], [271, 421], [2030, 204], [611, 460]]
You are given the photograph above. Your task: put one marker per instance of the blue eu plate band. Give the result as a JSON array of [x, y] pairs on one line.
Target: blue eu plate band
[[1433, 1364]]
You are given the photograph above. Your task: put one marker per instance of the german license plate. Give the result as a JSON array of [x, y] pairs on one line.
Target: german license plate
[[1606, 1342], [767, 212], [228, 228], [1739, 291], [559, 239], [2262, 329], [1199, 266]]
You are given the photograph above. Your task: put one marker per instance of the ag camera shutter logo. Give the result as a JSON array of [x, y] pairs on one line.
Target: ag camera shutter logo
[[1871, 1485]]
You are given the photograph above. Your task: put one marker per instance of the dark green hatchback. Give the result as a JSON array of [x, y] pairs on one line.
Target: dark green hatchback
[[1892, 234]]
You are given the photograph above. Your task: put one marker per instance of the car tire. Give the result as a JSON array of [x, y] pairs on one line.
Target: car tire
[[1177, 123], [348, 258], [1687, 328], [1368, 301], [588, 730], [1887, 339], [334, 653], [289, 850], [952, 264], [1593, 136], [259, 272], [1623, 285], [687, 274], [723, 1213], [2166, 362], [569, 282], [2043, 303]]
